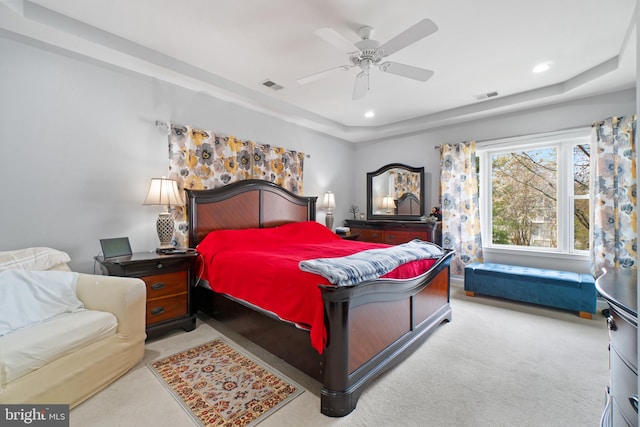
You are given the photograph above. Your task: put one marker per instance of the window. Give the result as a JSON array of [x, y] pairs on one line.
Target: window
[[534, 192]]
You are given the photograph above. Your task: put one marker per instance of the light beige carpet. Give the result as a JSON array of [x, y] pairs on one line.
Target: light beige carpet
[[498, 363]]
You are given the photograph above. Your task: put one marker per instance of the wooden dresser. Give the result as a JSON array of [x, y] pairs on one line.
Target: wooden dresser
[[394, 232], [168, 291], [618, 288]]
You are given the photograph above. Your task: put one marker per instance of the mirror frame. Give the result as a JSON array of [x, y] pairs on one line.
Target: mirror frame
[[386, 168]]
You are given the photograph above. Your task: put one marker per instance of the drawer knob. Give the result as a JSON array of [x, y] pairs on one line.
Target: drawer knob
[[157, 286], [634, 402], [157, 310], [611, 324], [159, 265]]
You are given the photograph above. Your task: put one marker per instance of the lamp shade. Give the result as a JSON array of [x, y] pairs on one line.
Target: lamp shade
[[388, 203], [329, 201], [163, 191]]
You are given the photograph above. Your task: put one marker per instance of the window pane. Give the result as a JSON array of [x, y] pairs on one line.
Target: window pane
[[524, 198], [581, 159], [581, 224]]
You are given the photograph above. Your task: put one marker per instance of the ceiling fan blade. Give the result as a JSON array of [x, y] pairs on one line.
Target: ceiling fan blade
[[409, 71], [411, 35], [331, 36], [321, 74], [361, 85]]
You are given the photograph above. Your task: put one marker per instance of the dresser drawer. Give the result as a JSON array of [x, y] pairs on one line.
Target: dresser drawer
[[160, 285], [166, 308], [618, 419], [375, 236], [395, 237], [624, 388], [623, 337]]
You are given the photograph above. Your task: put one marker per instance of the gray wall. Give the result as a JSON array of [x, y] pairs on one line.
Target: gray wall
[[79, 145]]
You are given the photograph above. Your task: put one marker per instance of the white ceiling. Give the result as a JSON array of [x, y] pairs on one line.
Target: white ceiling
[[229, 47]]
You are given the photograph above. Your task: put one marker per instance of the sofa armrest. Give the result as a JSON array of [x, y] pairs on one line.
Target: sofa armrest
[[125, 297]]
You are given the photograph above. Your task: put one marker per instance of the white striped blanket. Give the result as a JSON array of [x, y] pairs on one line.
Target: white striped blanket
[[370, 264]]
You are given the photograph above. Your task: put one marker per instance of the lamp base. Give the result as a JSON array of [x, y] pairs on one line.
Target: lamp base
[[329, 220], [165, 227]]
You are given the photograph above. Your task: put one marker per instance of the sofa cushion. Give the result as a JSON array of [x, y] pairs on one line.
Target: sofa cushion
[[38, 258], [30, 297], [30, 348]]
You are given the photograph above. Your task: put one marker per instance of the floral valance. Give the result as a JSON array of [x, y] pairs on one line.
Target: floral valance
[[200, 159]]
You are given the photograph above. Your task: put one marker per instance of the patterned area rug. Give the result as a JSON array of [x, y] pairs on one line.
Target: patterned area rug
[[220, 386]]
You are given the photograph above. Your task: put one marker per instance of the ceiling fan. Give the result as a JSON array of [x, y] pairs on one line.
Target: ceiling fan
[[368, 53]]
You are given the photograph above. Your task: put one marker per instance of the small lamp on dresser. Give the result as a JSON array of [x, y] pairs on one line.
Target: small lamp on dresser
[[388, 204], [328, 203], [164, 192]]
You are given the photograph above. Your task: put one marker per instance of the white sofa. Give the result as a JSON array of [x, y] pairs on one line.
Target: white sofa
[[59, 360]]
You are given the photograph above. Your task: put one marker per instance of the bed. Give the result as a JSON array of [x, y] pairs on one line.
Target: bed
[[369, 327]]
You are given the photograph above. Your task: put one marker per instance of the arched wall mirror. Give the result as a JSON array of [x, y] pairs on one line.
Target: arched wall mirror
[[396, 191]]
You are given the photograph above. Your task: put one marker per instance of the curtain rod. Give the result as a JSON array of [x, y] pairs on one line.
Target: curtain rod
[[165, 126], [437, 147]]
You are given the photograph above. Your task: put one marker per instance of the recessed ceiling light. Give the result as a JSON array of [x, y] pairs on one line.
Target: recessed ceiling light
[[369, 114], [541, 68]]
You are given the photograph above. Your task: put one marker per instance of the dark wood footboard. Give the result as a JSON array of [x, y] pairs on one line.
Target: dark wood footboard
[[370, 327], [373, 326]]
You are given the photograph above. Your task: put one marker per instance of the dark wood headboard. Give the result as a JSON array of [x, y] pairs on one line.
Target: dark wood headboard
[[251, 203], [408, 204]]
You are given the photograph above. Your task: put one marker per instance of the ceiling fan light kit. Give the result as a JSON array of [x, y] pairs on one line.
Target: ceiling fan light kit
[[368, 53]]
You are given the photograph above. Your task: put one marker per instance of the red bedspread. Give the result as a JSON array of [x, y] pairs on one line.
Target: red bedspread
[[260, 266]]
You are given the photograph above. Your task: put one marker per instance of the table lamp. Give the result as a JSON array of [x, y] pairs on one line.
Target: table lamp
[[388, 203], [329, 202], [164, 192]]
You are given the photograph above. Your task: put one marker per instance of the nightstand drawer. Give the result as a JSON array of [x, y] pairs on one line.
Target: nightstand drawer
[[159, 265], [160, 285], [166, 308]]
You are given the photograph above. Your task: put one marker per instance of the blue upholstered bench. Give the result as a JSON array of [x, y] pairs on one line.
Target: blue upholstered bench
[[560, 289]]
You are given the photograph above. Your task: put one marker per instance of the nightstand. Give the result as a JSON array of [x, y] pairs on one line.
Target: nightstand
[[168, 291]]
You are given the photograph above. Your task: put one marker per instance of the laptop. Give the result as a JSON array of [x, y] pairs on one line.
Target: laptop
[[115, 248]]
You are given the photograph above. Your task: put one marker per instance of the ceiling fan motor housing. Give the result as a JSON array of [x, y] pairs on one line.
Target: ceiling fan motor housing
[[369, 54]]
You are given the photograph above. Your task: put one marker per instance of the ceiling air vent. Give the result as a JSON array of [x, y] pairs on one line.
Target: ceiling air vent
[[486, 95], [272, 85]]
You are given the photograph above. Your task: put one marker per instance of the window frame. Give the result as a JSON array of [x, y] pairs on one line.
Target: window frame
[[563, 141]]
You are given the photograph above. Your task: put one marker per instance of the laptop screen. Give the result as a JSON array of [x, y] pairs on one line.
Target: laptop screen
[[117, 247]]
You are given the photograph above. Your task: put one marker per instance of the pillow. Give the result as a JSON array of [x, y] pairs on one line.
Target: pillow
[[39, 258], [31, 297]]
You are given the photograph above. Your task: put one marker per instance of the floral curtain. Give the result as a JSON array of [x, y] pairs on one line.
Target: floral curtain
[[614, 218], [460, 209], [200, 159], [405, 182]]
